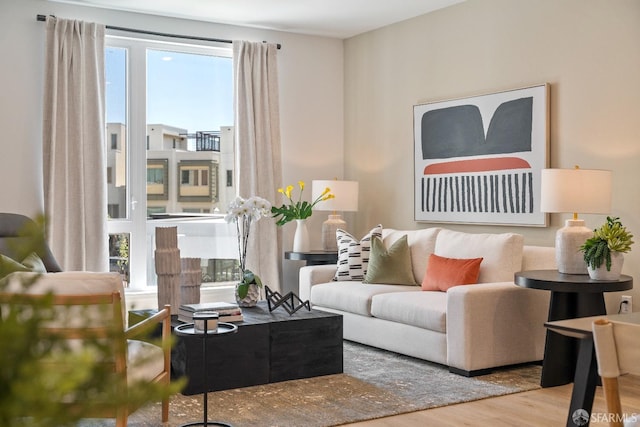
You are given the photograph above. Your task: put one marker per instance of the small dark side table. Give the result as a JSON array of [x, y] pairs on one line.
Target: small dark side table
[[572, 296], [313, 257], [189, 329]]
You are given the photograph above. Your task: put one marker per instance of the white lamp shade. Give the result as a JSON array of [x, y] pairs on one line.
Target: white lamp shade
[[345, 192], [576, 190]]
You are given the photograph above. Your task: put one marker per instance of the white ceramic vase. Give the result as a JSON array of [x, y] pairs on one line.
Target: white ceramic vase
[[601, 273], [301, 237]]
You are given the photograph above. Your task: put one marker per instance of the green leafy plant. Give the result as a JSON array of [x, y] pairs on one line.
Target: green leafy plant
[[612, 236], [300, 209], [31, 391]]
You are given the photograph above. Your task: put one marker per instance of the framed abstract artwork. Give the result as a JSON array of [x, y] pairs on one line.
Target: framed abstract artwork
[[478, 160]]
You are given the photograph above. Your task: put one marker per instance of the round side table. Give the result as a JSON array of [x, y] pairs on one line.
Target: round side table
[[189, 329], [313, 257], [572, 296]]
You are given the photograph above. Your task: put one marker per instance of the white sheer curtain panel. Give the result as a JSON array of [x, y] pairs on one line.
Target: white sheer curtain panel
[[73, 144], [259, 163]]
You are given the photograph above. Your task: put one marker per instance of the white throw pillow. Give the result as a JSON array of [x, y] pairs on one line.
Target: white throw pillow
[[353, 255], [501, 253]]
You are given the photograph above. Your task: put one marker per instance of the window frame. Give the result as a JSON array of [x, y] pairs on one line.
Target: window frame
[[134, 221]]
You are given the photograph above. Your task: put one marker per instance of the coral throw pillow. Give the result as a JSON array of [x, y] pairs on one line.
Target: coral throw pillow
[[353, 255], [444, 273]]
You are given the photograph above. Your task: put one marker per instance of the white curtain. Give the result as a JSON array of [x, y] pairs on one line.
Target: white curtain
[[73, 144], [257, 132]]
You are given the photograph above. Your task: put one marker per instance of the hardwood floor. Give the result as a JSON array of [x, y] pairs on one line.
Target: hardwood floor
[[543, 407]]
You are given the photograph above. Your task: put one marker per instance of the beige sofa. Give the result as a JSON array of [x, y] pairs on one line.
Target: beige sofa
[[469, 328]]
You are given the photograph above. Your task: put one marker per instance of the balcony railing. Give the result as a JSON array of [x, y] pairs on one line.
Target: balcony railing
[[205, 140]]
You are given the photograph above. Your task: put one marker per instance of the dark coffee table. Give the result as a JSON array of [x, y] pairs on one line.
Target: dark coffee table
[[268, 347]]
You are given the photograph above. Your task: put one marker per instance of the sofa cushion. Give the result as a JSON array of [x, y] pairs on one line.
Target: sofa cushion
[[426, 310], [421, 242], [353, 255], [443, 273], [390, 266], [501, 253], [352, 297]]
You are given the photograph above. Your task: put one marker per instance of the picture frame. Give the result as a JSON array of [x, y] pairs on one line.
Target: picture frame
[[478, 160]]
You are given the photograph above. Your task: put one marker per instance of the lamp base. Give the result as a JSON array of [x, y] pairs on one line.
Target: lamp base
[[569, 238], [329, 227]]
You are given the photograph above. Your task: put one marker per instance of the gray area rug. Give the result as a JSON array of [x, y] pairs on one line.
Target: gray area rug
[[375, 384]]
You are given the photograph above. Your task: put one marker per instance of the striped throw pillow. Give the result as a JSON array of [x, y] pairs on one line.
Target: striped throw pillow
[[353, 255]]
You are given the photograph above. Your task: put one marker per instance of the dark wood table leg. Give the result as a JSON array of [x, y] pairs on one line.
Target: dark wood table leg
[[584, 385], [560, 351], [586, 374]]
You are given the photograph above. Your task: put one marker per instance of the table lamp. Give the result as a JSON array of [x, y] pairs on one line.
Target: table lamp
[[345, 200], [576, 191]]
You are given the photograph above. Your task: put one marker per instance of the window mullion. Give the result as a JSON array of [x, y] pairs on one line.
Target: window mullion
[[137, 169]]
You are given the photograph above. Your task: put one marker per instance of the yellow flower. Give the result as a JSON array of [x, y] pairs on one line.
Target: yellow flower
[[301, 184], [326, 190], [280, 190], [288, 191], [328, 196]]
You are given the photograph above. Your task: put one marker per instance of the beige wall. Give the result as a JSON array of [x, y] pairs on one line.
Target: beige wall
[[589, 52]]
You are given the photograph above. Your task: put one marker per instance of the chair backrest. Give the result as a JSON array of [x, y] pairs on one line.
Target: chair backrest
[[79, 348], [11, 228], [617, 346]]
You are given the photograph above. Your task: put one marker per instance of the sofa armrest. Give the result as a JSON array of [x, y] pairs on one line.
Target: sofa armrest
[[313, 275], [495, 324]]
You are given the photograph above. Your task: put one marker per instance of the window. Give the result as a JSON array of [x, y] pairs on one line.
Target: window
[[229, 178], [158, 179], [169, 115], [194, 181]]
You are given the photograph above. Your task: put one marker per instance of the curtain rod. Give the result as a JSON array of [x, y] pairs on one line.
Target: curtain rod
[[43, 18]]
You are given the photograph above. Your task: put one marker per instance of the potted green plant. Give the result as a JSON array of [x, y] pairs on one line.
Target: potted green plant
[[606, 246]]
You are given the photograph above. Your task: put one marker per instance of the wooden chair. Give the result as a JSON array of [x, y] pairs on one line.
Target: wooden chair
[[617, 346], [94, 301]]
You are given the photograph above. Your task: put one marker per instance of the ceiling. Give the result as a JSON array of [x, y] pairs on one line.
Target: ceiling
[[330, 18]]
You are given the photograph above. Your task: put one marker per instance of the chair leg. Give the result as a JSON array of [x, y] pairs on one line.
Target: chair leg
[[165, 410], [121, 418], [612, 398]]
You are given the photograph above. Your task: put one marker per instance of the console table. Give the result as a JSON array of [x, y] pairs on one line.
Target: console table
[[572, 296]]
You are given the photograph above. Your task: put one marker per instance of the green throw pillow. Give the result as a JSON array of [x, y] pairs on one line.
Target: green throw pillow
[[30, 263], [8, 266], [34, 263], [390, 266]]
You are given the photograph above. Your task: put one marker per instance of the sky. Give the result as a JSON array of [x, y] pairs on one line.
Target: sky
[[184, 90]]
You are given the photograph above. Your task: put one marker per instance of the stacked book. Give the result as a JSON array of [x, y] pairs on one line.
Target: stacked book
[[227, 311]]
